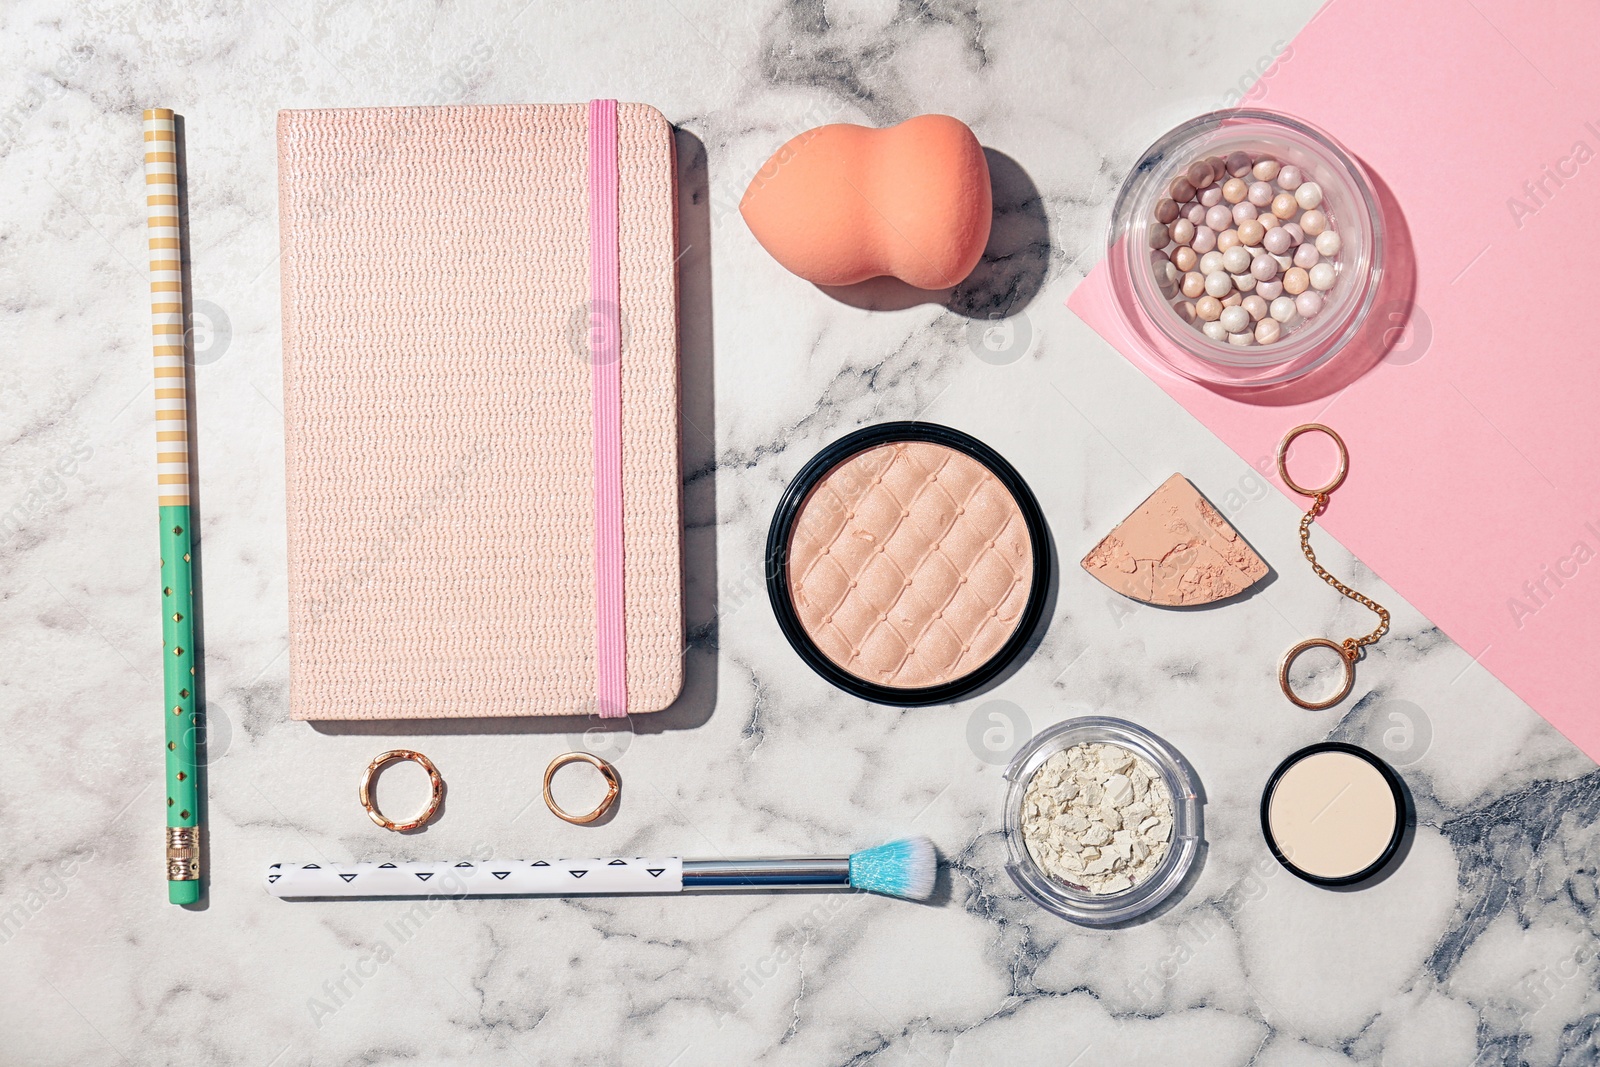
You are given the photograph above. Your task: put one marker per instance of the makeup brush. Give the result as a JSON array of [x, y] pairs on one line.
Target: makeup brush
[[898, 869]]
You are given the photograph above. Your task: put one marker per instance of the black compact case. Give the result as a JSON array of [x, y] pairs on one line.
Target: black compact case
[[791, 506], [1396, 789]]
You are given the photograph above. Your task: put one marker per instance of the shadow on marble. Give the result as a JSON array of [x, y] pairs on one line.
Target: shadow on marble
[[198, 710], [1008, 277], [697, 416]]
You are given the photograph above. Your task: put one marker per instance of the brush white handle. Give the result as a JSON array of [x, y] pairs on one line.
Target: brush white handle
[[553, 878]]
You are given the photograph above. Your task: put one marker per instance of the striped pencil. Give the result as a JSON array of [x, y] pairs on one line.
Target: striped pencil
[[172, 478]]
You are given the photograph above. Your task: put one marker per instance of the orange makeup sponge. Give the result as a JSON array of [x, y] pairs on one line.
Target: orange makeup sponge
[[840, 204]]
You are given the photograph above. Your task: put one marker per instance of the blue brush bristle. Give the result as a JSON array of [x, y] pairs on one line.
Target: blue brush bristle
[[898, 869]]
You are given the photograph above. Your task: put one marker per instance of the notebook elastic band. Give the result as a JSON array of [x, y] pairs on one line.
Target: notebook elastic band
[[605, 356]]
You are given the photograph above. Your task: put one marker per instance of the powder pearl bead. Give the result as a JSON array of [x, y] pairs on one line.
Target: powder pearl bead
[[1181, 189], [1159, 237], [1235, 190], [1329, 242], [1215, 331], [1185, 309], [1313, 222], [1307, 256], [1219, 167], [1265, 268], [1275, 241], [1194, 284], [1269, 290], [1170, 277], [1208, 308], [1255, 306], [1199, 174], [1219, 218], [1205, 239], [1211, 261], [1232, 300], [1268, 220], [1308, 195], [1211, 196], [1195, 214], [1238, 164], [1308, 304], [1267, 331], [1218, 284], [1182, 231], [1295, 281], [1283, 262], [1260, 194], [1243, 282], [1282, 309], [1284, 207], [1322, 277], [1184, 258], [1236, 260], [1266, 170], [1241, 340], [1227, 239], [1235, 319], [1296, 234], [1245, 212], [1252, 232], [1166, 209], [1289, 178]]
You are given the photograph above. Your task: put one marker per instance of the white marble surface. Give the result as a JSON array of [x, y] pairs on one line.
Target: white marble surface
[[1480, 948]]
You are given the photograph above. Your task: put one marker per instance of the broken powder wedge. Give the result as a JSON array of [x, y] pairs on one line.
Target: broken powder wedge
[[1184, 552]]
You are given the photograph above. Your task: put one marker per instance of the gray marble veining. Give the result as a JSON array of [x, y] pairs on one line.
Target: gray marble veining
[[1479, 948]]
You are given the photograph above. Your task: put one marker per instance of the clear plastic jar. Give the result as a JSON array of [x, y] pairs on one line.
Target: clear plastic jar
[[1348, 201], [1103, 909]]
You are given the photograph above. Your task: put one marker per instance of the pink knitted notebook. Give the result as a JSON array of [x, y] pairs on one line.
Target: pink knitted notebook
[[439, 400]]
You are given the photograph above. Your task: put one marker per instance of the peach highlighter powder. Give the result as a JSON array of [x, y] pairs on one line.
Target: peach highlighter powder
[[910, 564]]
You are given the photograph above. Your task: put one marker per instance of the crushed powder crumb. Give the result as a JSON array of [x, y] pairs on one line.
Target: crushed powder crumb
[[1097, 817]]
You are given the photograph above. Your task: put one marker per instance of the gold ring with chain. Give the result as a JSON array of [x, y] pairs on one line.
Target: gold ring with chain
[[1350, 649]]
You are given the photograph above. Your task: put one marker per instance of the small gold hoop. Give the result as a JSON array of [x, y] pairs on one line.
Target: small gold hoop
[[435, 789], [1283, 459], [1345, 659], [613, 786]]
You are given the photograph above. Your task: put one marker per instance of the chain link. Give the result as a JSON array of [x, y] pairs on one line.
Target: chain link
[[1351, 645]]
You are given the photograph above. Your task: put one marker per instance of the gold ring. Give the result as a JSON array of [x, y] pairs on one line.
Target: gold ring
[[1283, 459], [613, 786], [435, 789], [1290, 656]]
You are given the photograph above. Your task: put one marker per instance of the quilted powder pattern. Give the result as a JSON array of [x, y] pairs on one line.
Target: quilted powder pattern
[[910, 564], [437, 410]]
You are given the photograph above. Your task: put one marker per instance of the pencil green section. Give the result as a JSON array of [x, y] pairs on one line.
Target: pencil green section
[[177, 633]]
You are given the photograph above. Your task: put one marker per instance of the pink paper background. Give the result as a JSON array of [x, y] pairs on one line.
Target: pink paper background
[[1474, 473]]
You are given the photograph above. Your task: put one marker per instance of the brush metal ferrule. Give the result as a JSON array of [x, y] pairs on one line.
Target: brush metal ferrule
[[797, 873]]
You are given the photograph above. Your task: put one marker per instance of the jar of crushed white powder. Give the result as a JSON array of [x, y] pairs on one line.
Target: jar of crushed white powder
[[1103, 820]]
